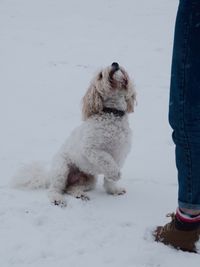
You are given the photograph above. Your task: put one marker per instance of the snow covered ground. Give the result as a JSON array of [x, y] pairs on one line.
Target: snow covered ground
[[49, 51]]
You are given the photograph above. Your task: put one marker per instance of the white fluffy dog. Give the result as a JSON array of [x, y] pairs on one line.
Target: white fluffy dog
[[98, 146]]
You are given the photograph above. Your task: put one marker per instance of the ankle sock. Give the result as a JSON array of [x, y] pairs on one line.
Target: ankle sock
[[186, 222]]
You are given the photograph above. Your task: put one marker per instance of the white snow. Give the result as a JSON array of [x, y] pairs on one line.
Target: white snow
[[49, 51]]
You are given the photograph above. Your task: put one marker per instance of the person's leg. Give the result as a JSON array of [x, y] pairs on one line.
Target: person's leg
[[184, 108], [184, 118]]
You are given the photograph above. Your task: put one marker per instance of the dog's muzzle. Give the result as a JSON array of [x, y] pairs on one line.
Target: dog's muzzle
[[115, 66]]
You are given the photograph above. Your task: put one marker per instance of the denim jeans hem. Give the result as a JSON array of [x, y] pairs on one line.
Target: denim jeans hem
[[188, 206]]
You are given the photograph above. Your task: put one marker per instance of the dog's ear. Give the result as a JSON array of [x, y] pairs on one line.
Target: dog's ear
[[92, 102], [131, 99]]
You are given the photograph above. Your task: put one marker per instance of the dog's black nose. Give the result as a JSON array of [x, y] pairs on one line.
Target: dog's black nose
[[115, 66]]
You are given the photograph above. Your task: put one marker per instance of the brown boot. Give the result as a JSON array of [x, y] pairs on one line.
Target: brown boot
[[180, 239]]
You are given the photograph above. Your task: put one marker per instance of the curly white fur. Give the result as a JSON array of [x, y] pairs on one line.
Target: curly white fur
[[98, 146]]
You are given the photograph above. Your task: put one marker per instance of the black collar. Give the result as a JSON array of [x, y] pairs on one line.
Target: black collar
[[116, 112]]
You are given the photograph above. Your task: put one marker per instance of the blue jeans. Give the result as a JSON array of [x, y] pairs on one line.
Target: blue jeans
[[184, 106]]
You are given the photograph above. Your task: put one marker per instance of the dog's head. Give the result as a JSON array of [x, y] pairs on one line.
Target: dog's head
[[112, 88]]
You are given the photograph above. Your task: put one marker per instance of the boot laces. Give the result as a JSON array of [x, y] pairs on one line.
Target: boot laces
[[168, 226], [172, 215]]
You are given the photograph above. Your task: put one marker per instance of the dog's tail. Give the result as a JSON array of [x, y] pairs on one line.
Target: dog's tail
[[32, 176]]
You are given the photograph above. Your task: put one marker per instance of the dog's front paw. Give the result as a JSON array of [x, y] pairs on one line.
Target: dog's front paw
[[120, 191], [81, 195], [116, 191], [112, 188]]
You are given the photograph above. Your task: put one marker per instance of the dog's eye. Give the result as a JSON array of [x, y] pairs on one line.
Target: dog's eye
[[100, 76]]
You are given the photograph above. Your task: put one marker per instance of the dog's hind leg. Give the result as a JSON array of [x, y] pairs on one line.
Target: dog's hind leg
[[58, 182]]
